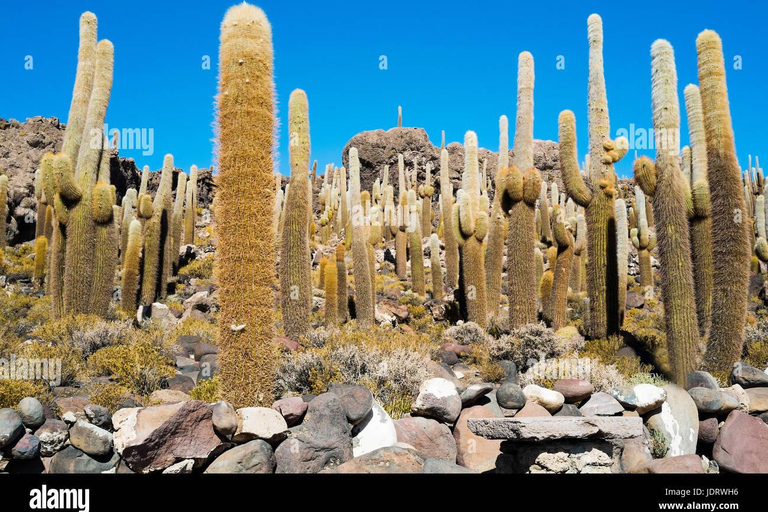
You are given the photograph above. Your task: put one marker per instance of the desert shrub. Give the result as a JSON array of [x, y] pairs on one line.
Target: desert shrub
[[206, 390], [140, 366], [201, 268], [12, 391], [603, 377], [72, 361], [498, 325], [316, 337], [196, 327], [606, 351], [466, 333], [410, 299], [108, 394], [392, 364], [756, 332], [647, 326], [526, 345], [19, 260], [489, 369], [658, 442], [757, 354], [647, 378], [15, 308]]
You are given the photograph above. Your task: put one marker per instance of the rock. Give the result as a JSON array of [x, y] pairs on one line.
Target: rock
[[437, 399], [742, 446], [168, 396], [706, 400], [635, 453], [555, 428], [153, 438], [164, 317], [376, 431], [53, 436], [430, 438], [510, 371], [441, 466], [532, 410], [489, 402], [99, 416], [459, 350], [11, 427], [739, 394], [252, 457], [574, 390], [680, 464], [391, 460], [69, 418], [569, 410], [601, 404], [287, 344], [291, 408], [200, 350], [708, 429], [72, 460], [321, 441], [730, 403], [474, 391], [184, 467], [748, 376], [552, 401], [357, 401], [224, 418], [31, 412], [642, 398], [260, 423], [677, 422], [758, 399], [75, 405], [701, 379], [472, 451], [635, 300], [90, 439], [26, 448], [510, 396], [180, 382]]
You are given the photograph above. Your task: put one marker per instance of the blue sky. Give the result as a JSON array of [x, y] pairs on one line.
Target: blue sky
[[452, 66]]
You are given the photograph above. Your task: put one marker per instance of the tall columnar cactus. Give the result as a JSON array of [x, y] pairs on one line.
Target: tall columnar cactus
[[520, 191], [144, 180], [361, 264], [731, 250], [701, 220], [546, 232], [190, 213], [418, 285], [497, 229], [331, 295], [77, 186], [470, 224], [436, 269], [426, 190], [131, 267], [155, 230], [671, 213], [3, 209], [106, 241], [41, 204], [246, 259], [642, 237], [341, 284], [622, 255], [177, 218], [561, 231], [446, 207], [579, 248], [597, 193], [545, 292], [41, 249], [295, 258], [343, 202], [130, 206]]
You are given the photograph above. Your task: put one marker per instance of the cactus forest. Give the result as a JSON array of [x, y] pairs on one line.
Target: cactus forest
[[409, 306]]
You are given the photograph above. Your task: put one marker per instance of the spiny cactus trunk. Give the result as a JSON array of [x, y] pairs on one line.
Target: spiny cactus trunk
[[341, 284], [622, 256], [446, 202], [41, 249], [246, 257], [105, 255], [155, 236], [497, 229], [131, 268], [436, 269], [361, 263], [418, 285], [561, 277], [190, 213]]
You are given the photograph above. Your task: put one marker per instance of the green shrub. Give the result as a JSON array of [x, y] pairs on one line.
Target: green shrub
[[201, 268], [140, 366], [206, 390]]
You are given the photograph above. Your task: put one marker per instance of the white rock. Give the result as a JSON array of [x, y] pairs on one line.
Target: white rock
[[649, 397], [180, 468], [439, 399], [549, 399], [69, 418], [376, 431], [259, 423]]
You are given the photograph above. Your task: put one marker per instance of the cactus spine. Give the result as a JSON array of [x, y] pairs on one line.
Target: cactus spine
[[731, 250], [295, 259], [497, 230], [360, 257], [106, 245], [470, 223], [246, 256], [701, 220], [41, 248], [129, 206], [401, 237], [446, 207], [3, 209], [597, 195]]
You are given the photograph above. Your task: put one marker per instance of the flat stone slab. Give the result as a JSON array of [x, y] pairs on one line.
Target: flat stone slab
[[557, 427]]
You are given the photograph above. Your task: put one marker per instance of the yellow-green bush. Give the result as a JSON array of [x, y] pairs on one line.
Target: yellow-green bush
[[88, 333], [196, 327], [140, 366], [108, 394], [13, 390], [206, 390], [71, 358], [200, 268]]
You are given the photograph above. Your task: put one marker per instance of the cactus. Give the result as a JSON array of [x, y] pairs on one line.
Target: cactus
[[701, 220], [416, 251], [731, 250], [106, 242], [331, 295], [563, 237], [622, 255], [361, 263], [497, 230], [155, 236], [425, 192], [671, 212], [246, 259], [545, 293], [295, 257], [546, 232], [177, 218], [446, 207], [579, 246], [129, 206], [436, 269], [470, 224], [642, 238], [597, 194], [41, 249], [131, 267], [341, 284], [190, 214], [520, 191]]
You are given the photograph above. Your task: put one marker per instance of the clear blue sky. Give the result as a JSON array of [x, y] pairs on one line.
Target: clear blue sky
[[451, 65]]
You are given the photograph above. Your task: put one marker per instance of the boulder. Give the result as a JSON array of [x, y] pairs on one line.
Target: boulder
[[739, 394], [376, 431], [357, 401], [677, 422], [90, 439], [430, 438], [679, 464], [181, 382], [748, 376], [437, 399], [252, 457], [224, 418], [184, 467], [556, 428], [390, 460], [72, 460], [532, 410], [707, 400], [321, 441], [26, 448], [168, 396], [260, 423], [53, 436], [292, 409], [574, 390], [758, 399], [98, 415], [472, 451], [31, 412], [471, 393], [11, 427], [601, 404], [635, 454], [510, 396], [708, 429], [552, 401], [642, 398], [441, 466], [742, 446], [569, 410], [701, 379]]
